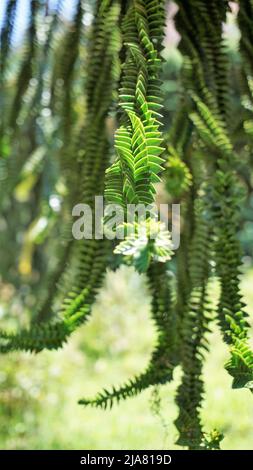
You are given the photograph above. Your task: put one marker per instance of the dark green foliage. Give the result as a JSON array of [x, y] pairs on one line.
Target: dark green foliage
[[205, 55], [245, 18], [192, 328]]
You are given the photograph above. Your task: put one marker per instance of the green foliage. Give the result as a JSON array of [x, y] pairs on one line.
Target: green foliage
[[178, 176], [143, 243], [131, 178], [205, 56]]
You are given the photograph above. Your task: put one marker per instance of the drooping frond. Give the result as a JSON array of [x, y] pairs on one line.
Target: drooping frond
[[245, 18], [177, 176], [200, 26], [213, 230], [192, 329], [130, 180], [164, 357]]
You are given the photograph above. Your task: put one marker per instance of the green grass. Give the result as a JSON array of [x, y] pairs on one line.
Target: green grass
[[39, 394]]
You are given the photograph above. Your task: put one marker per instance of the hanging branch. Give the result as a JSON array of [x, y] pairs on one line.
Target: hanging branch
[[164, 357], [205, 58], [200, 27], [131, 178]]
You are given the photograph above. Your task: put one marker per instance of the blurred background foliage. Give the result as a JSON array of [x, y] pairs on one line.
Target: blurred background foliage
[[38, 394]]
